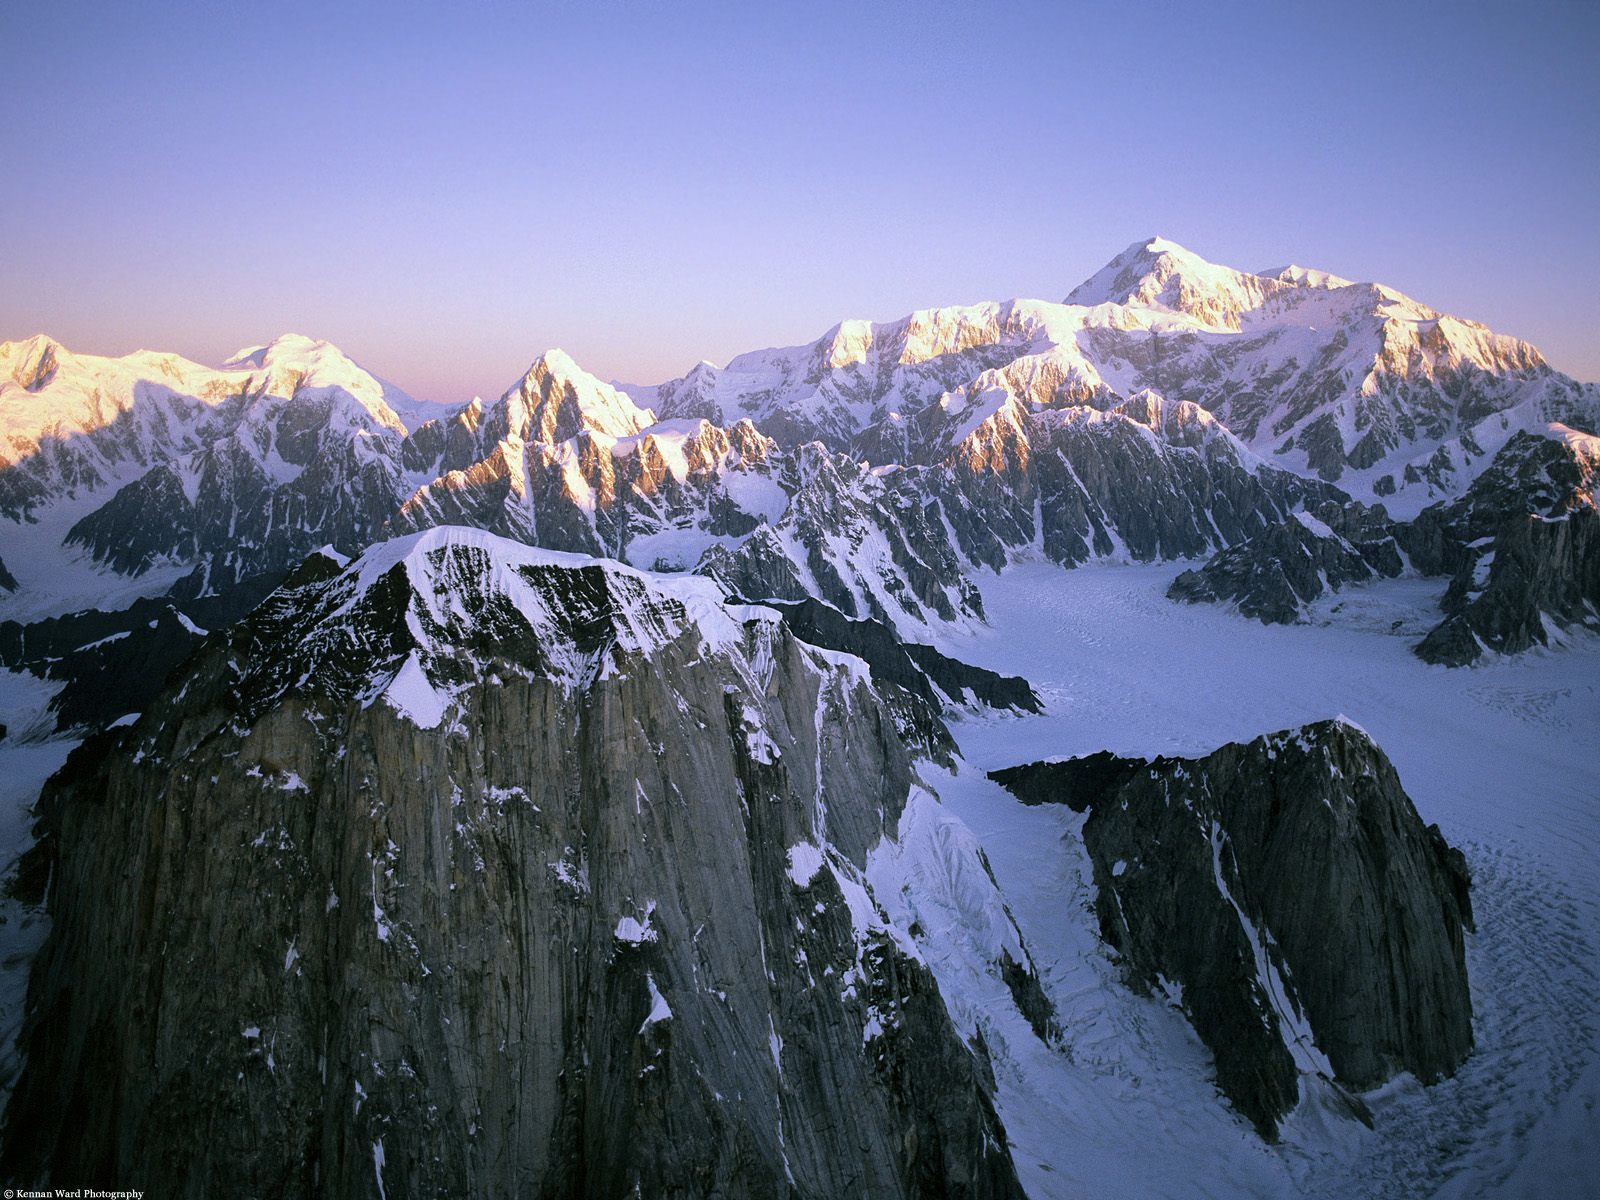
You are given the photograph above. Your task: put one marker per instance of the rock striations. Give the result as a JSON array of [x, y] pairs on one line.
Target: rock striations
[[1286, 895], [466, 868], [1538, 577]]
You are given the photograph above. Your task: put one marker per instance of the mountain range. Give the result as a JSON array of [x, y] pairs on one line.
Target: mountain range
[[542, 795], [1168, 408]]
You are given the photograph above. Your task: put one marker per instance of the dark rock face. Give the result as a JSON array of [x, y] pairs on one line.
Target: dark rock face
[[115, 663], [1510, 554], [1531, 474], [245, 520], [8, 581], [915, 680], [1288, 892], [958, 680], [469, 869], [1153, 478], [1537, 575], [1515, 563], [868, 544], [1275, 574]]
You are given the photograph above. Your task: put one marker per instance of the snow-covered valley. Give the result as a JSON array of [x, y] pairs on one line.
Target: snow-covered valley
[[327, 640], [1502, 756]]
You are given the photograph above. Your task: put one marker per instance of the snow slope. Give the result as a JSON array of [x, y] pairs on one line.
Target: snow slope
[[1501, 756]]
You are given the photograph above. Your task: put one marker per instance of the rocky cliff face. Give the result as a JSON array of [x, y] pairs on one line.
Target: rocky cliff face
[[916, 681], [1531, 473], [868, 543], [1147, 479], [255, 501], [1537, 576], [1287, 896], [597, 493], [1517, 570], [471, 869], [1274, 575]]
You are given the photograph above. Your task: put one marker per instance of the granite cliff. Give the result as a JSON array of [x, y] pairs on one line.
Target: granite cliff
[[1286, 895], [469, 868]]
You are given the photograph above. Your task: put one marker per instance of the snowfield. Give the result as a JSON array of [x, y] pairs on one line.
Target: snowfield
[[1505, 757]]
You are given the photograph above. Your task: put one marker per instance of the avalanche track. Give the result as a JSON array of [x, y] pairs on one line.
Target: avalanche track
[[1502, 756]]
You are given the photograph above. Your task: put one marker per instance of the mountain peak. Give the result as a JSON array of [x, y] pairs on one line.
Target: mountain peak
[[284, 346], [559, 399], [31, 345], [294, 361], [556, 361], [32, 361], [1156, 244], [1160, 274], [444, 575]]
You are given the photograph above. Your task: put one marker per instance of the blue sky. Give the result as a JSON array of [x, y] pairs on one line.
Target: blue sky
[[446, 190]]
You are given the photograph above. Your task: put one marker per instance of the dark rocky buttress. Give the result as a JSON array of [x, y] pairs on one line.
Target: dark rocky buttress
[[476, 870], [1287, 891]]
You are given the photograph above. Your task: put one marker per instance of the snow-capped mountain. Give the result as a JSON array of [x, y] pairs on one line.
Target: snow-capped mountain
[[1170, 407], [78, 422], [538, 794], [1162, 275], [564, 461], [1353, 382], [150, 466]]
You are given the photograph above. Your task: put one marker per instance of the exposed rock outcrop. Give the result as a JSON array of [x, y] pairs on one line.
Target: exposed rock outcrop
[[869, 543], [1147, 479], [1515, 575], [111, 664], [1539, 575], [473, 869], [917, 681], [1274, 575], [1286, 894], [1547, 476], [964, 683]]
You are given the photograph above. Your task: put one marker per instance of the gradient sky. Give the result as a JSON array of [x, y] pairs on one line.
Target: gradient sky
[[444, 190]]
